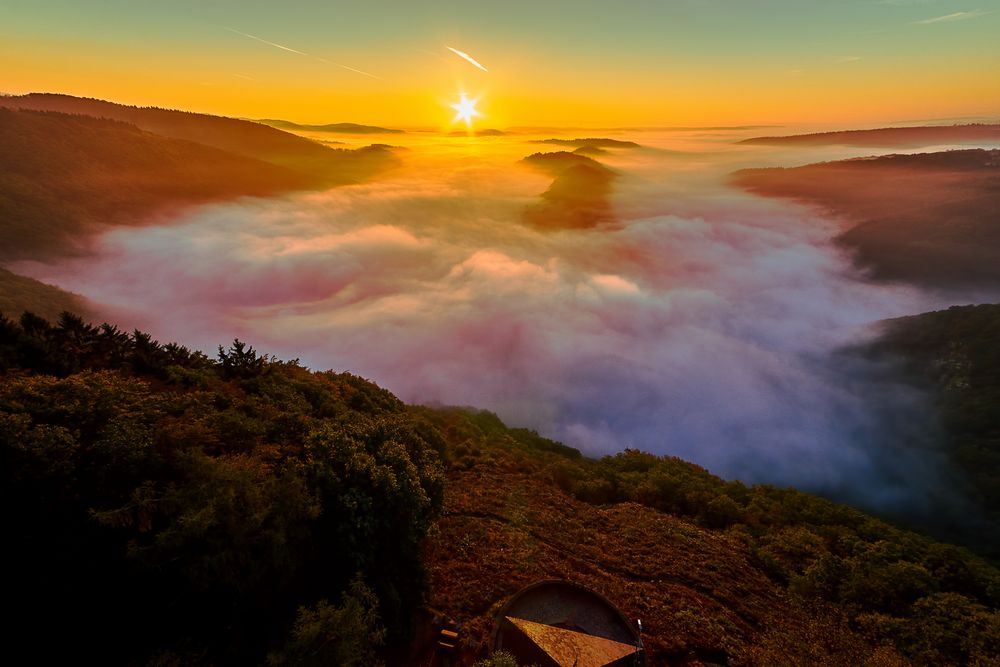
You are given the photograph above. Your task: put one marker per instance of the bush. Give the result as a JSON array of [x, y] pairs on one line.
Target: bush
[[348, 635]]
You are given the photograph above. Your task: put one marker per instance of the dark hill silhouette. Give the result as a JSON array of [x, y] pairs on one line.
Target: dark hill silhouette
[[889, 136], [930, 218], [599, 142], [338, 128], [18, 294], [579, 195], [323, 164], [591, 150], [488, 132], [954, 354], [63, 176]]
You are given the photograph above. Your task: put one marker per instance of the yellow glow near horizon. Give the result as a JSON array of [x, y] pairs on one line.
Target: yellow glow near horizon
[[465, 109], [666, 64]]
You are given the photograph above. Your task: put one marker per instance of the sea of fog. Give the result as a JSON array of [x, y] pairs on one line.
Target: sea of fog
[[705, 322]]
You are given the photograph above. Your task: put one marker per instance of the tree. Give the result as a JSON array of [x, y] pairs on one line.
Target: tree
[[348, 635]]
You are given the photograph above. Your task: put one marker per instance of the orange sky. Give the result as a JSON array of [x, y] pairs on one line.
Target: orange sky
[[680, 62]]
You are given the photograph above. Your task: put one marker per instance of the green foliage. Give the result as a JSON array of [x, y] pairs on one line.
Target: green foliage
[[499, 658], [954, 353], [194, 505], [33, 344], [942, 629], [347, 635], [241, 361]]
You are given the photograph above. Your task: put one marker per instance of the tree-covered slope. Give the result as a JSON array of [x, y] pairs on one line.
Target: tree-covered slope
[[954, 353], [932, 219], [164, 508], [18, 294], [62, 176], [161, 507], [718, 571], [926, 135], [247, 138], [337, 128]]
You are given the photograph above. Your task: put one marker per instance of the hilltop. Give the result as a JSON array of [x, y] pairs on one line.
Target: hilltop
[[240, 137], [18, 294], [488, 132], [64, 176], [245, 509], [593, 142], [578, 196], [69, 173], [932, 218], [888, 136], [337, 128]]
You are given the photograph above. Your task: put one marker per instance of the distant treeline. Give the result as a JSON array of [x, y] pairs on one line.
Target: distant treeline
[[890, 136]]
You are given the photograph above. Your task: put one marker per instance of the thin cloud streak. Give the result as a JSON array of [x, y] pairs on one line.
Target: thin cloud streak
[[957, 16], [264, 41], [303, 53], [466, 56], [350, 69]]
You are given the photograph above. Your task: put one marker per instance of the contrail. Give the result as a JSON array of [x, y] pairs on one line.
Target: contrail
[[330, 62], [302, 53], [957, 16], [277, 46], [463, 54]]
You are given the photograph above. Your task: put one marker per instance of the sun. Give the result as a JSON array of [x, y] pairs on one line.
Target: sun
[[465, 109]]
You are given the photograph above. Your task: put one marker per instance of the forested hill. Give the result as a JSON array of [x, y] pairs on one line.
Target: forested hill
[[241, 137], [335, 128], [164, 508], [18, 294], [932, 219], [61, 175], [954, 353], [890, 136]]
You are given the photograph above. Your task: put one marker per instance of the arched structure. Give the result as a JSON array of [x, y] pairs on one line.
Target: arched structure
[[561, 624]]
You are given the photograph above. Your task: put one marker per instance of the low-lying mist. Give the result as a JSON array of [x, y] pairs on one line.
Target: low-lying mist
[[701, 322]]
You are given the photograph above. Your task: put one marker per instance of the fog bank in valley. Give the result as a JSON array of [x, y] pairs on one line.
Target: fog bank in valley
[[701, 322]]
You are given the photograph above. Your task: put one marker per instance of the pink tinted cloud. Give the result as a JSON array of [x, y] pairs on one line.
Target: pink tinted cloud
[[705, 325]]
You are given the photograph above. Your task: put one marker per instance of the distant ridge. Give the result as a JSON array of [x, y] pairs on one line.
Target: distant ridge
[[927, 218], [598, 142], [488, 132], [889, 136], [62, 176], [339, 128], [18, 294], [237, 136]]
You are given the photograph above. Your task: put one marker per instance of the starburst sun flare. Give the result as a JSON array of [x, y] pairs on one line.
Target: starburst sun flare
[[465, 110]]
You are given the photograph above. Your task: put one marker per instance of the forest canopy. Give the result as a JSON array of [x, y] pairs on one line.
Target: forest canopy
[[167, 508]]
